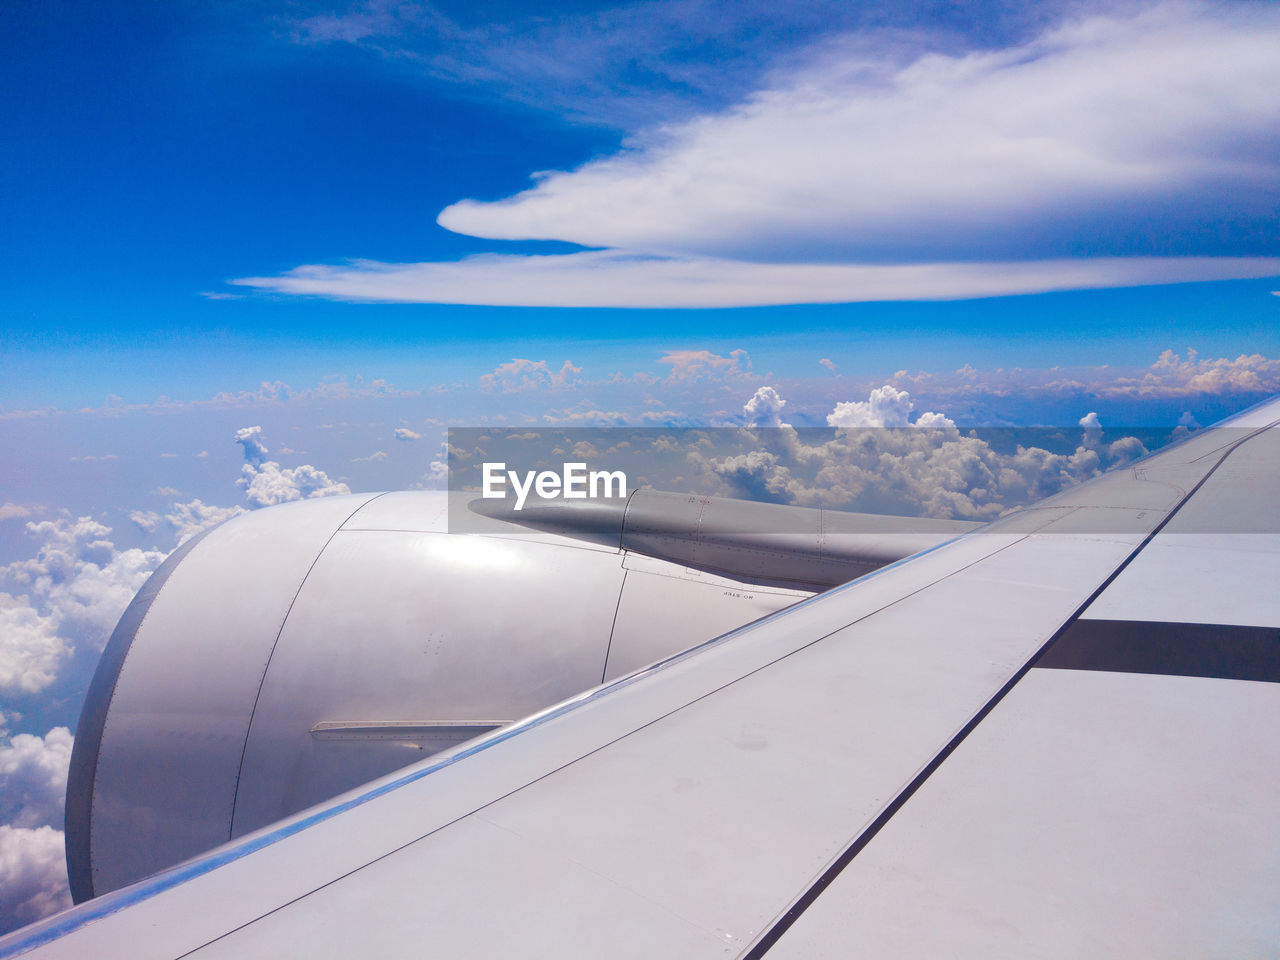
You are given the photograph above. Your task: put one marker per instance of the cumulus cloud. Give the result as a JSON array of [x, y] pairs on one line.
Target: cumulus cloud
[[375, 457], [1170, 377], [33, 784], [828, 363], [266, 483], [881, 460], [30, 648], [73, 591], [436, 477], [33, 777], [188, 519], [33, 875], [1173, 376], [80, 575], [696, 364], [885, 407], [255, 451], [404, 433], [1092, 429], [764, 409], [523, 374], [146, 520]]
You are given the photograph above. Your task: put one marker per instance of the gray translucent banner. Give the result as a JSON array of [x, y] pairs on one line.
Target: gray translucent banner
[[940, 473]]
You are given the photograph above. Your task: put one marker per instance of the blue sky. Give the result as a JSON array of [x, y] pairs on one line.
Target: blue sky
[[155, 152], [337, 229]]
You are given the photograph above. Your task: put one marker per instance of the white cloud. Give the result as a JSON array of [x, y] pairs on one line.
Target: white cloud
[[33, 875], [9, 511], [697, 364], [828, 363], [764, 409], [255, 451], [81, 577], [622, 64], [33, 784], [1172, 376], [33, 777], [188, 519], [865, 173], [885, 407], [613, 279], [523, 374], [30, 648], [936, 472], [75, 588], [1118, 451], [861, 156], [266, 483], [404, 433], [1092, 429], [375, 457], [436, 477], [146, 520]]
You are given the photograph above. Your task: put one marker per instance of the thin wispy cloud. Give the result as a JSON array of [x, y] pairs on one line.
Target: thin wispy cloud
[[612, 279], [1107, 151], [636, 64]]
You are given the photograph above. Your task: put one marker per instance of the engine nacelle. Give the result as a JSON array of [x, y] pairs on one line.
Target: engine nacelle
[[296, 652]]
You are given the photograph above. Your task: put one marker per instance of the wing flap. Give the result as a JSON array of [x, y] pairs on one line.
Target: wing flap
[[1092, 814]]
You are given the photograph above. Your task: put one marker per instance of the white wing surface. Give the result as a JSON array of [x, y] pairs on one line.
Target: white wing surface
[[1056, 737]]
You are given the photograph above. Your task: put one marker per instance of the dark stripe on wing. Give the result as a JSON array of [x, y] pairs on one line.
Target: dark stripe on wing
[[1220, 651]]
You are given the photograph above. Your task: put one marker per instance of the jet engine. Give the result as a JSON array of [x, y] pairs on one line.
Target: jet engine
[[299, 651]]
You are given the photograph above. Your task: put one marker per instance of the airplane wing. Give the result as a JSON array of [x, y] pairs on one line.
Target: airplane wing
[[1058, 736]]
